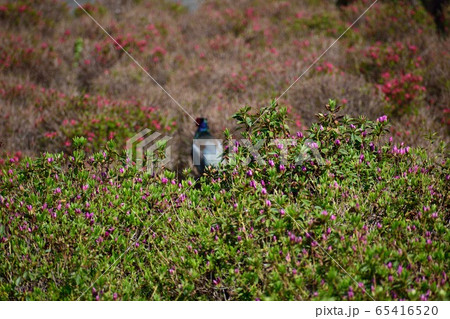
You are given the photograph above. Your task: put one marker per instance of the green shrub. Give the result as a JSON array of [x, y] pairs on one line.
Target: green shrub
[[355, 218]]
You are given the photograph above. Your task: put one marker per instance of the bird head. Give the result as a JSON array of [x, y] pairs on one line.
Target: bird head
[[202, 123], [199, 120]]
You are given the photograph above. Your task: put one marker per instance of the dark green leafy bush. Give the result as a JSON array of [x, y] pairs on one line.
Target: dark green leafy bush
[[347, 217]]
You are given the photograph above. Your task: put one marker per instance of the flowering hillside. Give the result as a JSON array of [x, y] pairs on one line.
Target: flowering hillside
[[61, 76]]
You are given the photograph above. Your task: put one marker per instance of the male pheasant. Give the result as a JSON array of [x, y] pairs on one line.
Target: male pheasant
[[206, 150]]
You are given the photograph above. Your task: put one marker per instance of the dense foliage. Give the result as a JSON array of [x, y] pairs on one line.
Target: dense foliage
[[334, 213]]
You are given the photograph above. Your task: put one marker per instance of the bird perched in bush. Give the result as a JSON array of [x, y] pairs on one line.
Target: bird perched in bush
[[206, 150]]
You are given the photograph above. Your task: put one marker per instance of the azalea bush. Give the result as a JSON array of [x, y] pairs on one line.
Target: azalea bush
[[334, 213], [58, 118]]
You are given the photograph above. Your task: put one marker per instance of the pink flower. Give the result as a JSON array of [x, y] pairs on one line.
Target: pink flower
[[382, 119], [361, 158], [350, 293]]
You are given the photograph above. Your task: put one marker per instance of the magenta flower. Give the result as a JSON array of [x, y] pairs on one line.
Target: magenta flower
[[268, 203], [350, 293], [382, 119], [164, 180]]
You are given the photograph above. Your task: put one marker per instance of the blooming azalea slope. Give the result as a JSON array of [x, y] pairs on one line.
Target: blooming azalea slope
[[55, 61]]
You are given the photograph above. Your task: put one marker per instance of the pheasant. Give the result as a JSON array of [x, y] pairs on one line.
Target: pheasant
[[206, 150]]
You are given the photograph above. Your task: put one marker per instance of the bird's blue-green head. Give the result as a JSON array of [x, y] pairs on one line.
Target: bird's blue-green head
[[202, 124]]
